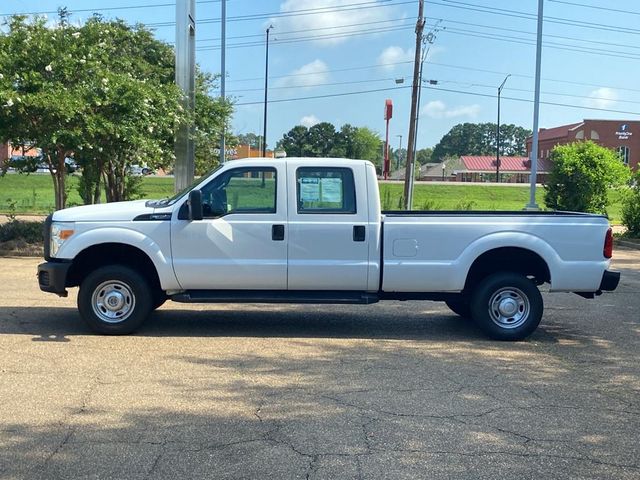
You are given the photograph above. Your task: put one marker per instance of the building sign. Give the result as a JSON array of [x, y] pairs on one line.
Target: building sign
[[227, 151], [623, 132]]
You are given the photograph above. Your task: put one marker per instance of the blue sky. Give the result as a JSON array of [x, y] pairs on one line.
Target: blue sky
[[590, 59]]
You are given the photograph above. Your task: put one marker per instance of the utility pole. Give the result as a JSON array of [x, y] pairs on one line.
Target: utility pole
[[498, 131], [266, 89], [408, 176], [223, 71], [532, 205], [398, 154], [186, 80]]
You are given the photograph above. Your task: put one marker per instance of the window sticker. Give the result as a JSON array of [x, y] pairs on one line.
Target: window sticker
[[309, 190], [331, 189]]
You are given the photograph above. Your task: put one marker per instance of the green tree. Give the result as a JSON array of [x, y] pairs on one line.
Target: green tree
[[296, 142], [581, 175], [41, 99], [366, 145], [424, 155], [480, 139], [322, 140], [631, 208], [103, 92]]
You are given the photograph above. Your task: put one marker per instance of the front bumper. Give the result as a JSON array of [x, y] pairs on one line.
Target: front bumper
[[52, 277], [609, 281]]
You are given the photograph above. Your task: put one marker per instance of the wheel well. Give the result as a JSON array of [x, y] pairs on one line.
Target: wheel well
[[508, 259], [104, 254]]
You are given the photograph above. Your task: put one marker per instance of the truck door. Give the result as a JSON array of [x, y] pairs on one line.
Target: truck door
[[241, 242], [328, 246]]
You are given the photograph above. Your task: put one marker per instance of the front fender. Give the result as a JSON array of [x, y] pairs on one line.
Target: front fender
[[82, 240]]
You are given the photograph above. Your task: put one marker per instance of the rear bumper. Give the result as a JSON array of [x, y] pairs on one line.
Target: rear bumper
[[52, 277], [609, 281]]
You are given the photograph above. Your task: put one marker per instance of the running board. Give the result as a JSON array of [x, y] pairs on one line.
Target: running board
[[275, 296]]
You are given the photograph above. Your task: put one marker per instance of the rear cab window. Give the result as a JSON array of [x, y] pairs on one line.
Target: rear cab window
[[325, 190]]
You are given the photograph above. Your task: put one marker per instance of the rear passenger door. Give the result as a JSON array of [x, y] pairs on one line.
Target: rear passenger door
[[328, 229]]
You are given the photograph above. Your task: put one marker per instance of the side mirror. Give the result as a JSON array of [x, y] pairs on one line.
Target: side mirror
[[195, 205]]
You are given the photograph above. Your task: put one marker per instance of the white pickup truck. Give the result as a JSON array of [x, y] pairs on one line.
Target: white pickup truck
[[308, 230]]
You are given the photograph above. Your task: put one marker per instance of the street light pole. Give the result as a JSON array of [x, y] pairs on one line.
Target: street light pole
[[223, 69], [498, 131], [532, 205], [398, 154], [266, 87]]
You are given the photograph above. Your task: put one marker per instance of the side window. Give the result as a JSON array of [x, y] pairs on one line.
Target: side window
[[242, 190], [325, 190]]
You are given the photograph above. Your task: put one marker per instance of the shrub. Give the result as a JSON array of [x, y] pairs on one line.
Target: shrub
[[581, 175], [30, 232], [631, 209]]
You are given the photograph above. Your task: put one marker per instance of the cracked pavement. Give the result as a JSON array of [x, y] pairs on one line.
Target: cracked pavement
[[393, 390]]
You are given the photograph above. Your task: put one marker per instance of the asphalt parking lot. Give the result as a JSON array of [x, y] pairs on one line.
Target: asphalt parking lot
[[394, 390]]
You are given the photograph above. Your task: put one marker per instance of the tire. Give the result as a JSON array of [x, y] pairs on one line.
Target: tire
[[114, 300], [159, 297], [507, 306], [460, 306]]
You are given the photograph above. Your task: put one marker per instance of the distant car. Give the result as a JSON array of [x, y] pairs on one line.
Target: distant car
[[139, 171]]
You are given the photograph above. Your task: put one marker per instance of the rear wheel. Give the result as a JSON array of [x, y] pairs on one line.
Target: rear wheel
[[114, 300], [460, 306], [507, 306]]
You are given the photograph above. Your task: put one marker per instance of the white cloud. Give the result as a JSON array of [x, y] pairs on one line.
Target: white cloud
[[309, 120], [602, 98], [392, 55], [439, 109], [308, 75], [341, 21]]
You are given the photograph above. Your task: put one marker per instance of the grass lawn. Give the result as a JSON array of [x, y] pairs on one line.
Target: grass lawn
[[34, 194]]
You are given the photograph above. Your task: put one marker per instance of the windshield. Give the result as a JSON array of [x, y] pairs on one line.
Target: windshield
[[165, 202]]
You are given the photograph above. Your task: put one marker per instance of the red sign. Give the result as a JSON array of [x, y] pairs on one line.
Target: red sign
[[388, 109]]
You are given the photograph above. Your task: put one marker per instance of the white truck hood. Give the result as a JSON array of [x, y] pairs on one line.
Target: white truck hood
[[108, 212]]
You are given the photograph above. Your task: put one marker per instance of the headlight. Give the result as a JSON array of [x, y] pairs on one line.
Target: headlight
[[60, 232]]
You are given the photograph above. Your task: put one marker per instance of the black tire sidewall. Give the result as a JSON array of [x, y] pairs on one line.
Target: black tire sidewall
[[460, 307], [480, 306], [139, 288]]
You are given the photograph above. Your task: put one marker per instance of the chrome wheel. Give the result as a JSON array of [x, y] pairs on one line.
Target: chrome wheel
[[113, 301], [509, 307]]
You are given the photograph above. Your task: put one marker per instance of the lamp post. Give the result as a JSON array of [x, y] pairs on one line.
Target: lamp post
[[398, 154], [443, 167], [223, 69], [498, 131], [266, 87]]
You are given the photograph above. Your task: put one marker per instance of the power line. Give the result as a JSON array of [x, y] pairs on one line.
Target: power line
[[261, 35], [531, 16], [462, 92], [309, 38], [347, 69], [547, 35], [596, 7], [313, 97], [294, 13], [105, 9], [440, 81]]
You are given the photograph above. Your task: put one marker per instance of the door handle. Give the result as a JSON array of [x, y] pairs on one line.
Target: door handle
[[359, 232], [277, 232]]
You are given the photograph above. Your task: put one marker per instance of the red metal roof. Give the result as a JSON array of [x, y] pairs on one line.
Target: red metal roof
[[507, 164], [555, 132]]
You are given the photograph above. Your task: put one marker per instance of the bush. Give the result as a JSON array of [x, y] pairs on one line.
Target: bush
[[30, 232], [581, 175], [631, 209]]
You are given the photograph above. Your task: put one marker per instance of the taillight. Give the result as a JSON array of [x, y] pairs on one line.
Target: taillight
[[608, 244]]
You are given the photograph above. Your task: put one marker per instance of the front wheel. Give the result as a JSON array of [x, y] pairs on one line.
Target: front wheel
[[507, 306], [114, 300]]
